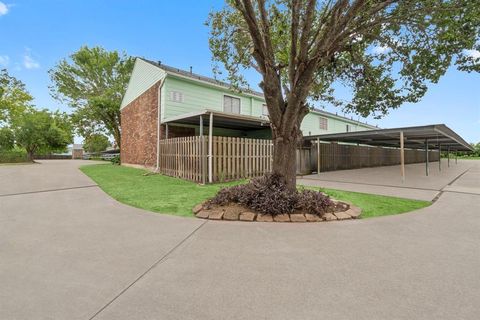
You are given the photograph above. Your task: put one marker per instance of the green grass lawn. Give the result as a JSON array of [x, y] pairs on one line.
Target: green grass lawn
[[151, 192], [375, 205], [177, 197]]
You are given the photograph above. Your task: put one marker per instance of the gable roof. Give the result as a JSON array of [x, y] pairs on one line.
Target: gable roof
[[197, 77], [169, 70]]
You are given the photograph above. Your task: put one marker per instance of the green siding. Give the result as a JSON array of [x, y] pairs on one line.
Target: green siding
[[311, 124], [197, 97], [144, 76]]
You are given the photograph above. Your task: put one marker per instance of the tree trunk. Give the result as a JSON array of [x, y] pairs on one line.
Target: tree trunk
[[284, 159], [30, 155], [117, 136]]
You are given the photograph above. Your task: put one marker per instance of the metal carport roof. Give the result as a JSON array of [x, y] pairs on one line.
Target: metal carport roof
[[221, 120], [414, 137]]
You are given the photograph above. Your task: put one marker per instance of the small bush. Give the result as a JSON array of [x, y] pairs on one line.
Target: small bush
[[115, 160], [313, 202], [269, 194], [13, 156]]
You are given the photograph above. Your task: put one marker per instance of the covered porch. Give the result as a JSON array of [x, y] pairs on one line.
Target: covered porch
[[225, 147]]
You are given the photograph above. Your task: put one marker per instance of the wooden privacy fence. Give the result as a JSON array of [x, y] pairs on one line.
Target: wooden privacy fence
[[237, 158], [231, 158], [335, 156]]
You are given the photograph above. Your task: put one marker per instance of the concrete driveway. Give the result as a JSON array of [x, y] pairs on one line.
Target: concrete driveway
[[68, 251], [387, 180]]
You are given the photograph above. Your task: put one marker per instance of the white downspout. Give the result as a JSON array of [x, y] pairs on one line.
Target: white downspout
[[157, 169]]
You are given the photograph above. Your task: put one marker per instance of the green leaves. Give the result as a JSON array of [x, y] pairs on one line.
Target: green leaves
[[96, 143], [7, 139], [385, 52], [90, 81], [40, 131], [14, 98]]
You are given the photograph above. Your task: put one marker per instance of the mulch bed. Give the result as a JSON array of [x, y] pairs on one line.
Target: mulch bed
[[235, 212]]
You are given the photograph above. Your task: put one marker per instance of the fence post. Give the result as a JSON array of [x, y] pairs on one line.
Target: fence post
[[318, 156]]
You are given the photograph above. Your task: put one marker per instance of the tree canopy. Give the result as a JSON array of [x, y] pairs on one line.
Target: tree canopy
[[93, 82], [96, 143], [14, 98], [386, 52], [41, 131], [7, 139]]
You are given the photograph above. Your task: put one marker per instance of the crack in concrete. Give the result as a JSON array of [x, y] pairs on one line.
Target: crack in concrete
[[156, 263], [48, 190]]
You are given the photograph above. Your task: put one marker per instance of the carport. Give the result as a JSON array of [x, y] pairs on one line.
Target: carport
[[430, 137]]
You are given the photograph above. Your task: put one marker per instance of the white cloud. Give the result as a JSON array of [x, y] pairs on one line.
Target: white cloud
[[380, 49], [3, 9], [472, 53], [29, 62], [4, 61]]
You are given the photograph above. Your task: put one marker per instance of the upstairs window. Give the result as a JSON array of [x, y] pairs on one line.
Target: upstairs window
[[323, 123], [231, 104], [176, 96], [264, 110]]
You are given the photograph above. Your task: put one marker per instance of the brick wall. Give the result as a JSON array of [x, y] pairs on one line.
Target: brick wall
[[77, 153], [139, 130]]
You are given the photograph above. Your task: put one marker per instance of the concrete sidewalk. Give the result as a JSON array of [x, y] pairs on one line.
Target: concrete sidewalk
[[78, 254], [387, 180]]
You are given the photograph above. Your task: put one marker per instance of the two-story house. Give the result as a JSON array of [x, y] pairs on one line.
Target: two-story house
[[164, 102]]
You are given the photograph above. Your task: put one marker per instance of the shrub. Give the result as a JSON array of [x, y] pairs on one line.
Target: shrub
[[13, 156], [313, 202], [115, 160], [269, 194]]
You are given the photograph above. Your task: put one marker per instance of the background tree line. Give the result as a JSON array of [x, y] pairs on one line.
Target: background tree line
[[91, 81]]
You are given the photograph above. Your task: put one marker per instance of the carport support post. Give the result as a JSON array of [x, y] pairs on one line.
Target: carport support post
[[318, 156], [402, 156], [210, 145], [448, 156], [426, 157], [439, 157]]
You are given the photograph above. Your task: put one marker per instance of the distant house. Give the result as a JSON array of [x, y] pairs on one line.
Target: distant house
[[179, 103], [77, 151]]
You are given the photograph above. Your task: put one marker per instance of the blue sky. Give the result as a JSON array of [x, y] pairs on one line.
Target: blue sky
[[35, 35]]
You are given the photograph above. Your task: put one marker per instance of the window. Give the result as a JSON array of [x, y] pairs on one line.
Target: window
[[176, 96], [231, 104], [348, 128], [264, 110], [323, 123]]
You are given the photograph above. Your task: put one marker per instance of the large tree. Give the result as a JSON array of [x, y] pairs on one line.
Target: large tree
[[93, 82], [14, 98], [41, 131], [386, 52], [96, 143]]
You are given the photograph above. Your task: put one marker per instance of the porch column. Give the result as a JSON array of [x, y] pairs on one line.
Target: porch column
[[210, 145], [456, 155], [402, 156], [426, 157], [318, 156], [166, 130], [203, 149]]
